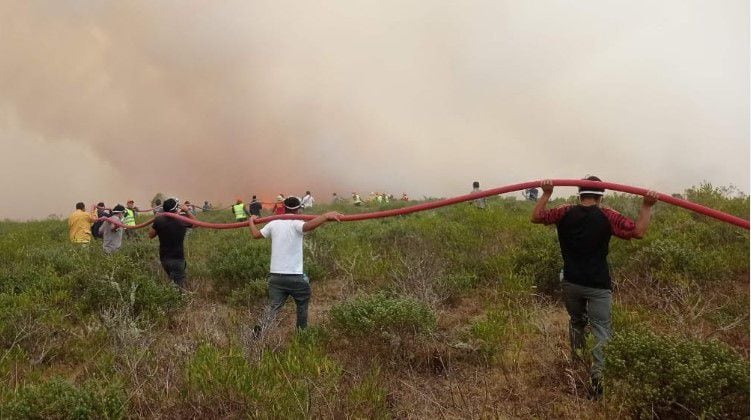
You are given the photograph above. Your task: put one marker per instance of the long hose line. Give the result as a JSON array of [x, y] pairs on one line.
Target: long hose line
[[716, 214]]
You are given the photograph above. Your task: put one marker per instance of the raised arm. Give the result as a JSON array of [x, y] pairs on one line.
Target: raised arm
[[645, 215], [540, 206], [254, 232], [318, 221]]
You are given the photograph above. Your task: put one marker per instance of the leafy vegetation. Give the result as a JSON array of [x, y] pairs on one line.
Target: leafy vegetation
[[468, 297]]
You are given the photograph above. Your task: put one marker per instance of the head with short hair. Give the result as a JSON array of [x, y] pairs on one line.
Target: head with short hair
[[291, 205], [254, 197], [100, 204], [158, 202], [118, 209], [591, 193], [476, 184], [171, 205], [307, 192], [80, 206]]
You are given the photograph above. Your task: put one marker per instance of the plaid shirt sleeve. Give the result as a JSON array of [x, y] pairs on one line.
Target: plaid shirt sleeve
[[553, 216], [622, 226]]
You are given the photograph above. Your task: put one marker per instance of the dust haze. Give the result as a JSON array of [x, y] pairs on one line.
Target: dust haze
[[111, 100]]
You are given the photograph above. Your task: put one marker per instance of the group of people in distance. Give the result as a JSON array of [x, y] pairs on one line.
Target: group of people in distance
[[584, 232]]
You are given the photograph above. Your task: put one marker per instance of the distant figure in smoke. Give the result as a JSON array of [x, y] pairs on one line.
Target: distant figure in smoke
[[356, 200], [584, 232], [335, 198], [171, 234], [480, 202], [206, 206], [79, 224], [112, 234], [238, 209], [307, 201], [405, 197], [255, 207], [530, 194], [286, 275]]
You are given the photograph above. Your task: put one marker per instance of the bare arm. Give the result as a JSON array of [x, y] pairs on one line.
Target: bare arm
[[254, 232], [318, 221], [547, 191], [187, 212], [645, 215]]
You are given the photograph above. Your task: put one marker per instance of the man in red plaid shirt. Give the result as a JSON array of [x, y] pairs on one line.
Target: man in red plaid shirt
[[584, 232]]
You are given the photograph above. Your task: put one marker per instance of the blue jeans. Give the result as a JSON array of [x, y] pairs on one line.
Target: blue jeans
[[295, 285], [593, 306]]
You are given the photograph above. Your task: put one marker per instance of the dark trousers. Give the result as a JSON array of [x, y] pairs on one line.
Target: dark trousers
[[593, 306], [175, 270], [295, 285]]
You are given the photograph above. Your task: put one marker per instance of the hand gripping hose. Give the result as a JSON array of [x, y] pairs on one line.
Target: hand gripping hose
[[728, 218]]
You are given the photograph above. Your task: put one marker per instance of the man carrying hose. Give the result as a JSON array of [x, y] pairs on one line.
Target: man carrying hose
[[286, 276], [79, 224], [171, 234], [584, 232]]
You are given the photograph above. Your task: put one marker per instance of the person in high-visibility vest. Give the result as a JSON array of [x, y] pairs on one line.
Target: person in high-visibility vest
[[129, 219], [241, 214]]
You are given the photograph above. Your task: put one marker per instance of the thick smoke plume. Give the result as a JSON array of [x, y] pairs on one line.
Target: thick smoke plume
[[111, 100]]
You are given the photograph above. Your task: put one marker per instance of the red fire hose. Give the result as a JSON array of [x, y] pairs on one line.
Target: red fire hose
[[716, 214]]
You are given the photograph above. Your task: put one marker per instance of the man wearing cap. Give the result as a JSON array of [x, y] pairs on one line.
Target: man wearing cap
[[286, 276], [279, 205], [171, 234], [129, 218], [112, 233], [584, 232]]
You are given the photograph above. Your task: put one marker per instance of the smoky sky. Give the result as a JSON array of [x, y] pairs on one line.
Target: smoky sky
[[111, 100]]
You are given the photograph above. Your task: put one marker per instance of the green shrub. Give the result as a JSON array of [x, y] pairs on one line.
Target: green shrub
[[280, 385], [538, 257], [237, 262], [379, 314], [58, 398], [673, 378], [251, 292], [368, 398]]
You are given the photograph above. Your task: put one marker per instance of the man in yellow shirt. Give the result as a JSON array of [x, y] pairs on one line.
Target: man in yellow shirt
[[79, 224]]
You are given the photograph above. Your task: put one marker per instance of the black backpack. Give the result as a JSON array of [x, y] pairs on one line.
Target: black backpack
[[95, 227]]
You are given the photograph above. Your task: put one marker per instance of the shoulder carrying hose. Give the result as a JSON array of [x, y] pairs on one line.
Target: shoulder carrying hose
[[728, 218]]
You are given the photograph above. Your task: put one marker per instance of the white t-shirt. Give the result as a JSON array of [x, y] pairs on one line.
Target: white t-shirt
[[307, 201], [286, 245]]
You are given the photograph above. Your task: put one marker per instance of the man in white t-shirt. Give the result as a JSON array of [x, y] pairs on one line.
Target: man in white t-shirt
[[286, 276], [307, 201]]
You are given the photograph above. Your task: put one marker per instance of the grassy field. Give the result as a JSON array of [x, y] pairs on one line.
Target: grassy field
[[453, 313]]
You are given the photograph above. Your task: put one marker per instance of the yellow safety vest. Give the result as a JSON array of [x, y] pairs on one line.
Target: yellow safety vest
[[239, 210], [130, 217]]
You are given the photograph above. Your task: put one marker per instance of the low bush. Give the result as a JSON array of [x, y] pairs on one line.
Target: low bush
[[669, 377], [234, 264], [251, 292], [382, 315], [58, 398], [281, 385]]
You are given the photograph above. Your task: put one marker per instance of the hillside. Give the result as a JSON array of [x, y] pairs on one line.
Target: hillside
[[453, 313]]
